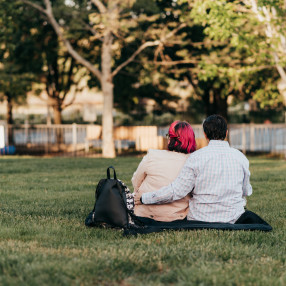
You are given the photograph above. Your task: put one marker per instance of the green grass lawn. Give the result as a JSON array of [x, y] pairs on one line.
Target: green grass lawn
[[43, 240]]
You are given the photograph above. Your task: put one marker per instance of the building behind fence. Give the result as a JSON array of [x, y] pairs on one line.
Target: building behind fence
[[75, 138]]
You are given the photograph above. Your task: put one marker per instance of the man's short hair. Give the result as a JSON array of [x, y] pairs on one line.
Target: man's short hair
[[215, 127]]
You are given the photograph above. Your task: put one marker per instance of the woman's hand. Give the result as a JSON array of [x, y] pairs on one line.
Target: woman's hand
[[137, 199]]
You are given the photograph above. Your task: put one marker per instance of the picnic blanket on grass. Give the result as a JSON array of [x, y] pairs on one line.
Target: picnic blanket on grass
[[247, 221]]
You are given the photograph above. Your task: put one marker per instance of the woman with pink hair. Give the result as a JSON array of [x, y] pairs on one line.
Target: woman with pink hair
[[159, 168]]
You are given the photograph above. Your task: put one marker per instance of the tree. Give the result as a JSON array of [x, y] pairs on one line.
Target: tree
[[13, 87], [15, 79], [207, 64], [113, 23], [59, 71], [219, 59], [260, 41], [273, 16], [48, 60], [30, 46]]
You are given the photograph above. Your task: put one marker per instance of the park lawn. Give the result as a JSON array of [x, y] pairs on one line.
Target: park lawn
[[43, 240]]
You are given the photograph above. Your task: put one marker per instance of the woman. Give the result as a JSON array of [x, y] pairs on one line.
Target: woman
[[159, 168]]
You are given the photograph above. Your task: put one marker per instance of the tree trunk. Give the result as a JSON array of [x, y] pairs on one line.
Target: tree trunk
[[10, 120], [221, 104], [108, 148], [207, 105], [214, 103], [58, 120], [282, 90], [57, 113]]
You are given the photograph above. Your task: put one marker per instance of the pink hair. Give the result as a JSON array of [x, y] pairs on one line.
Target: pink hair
[[182, 137]]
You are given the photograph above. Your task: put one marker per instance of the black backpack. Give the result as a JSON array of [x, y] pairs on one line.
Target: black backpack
[[113, 204]]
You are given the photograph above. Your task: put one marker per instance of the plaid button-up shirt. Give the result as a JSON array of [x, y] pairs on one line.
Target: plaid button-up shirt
[[217, 177]]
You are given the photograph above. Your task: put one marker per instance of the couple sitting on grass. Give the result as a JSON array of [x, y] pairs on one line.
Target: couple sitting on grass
[[207, 185]]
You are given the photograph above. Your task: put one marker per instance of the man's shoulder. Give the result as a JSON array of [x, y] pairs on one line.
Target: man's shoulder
[[199, 154], [239, 155], [206, 153]]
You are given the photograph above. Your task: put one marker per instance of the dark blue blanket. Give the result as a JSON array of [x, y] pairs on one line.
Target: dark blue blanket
[[248, 221]]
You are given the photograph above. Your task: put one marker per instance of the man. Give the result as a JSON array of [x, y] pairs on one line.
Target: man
[[217, 176]]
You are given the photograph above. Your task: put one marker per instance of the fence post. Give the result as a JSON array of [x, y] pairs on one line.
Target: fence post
[[274, 135], [284, 140], [47, 140], [27, 131], [86, 146], [119, 146], [138, 143], [252, 138], [74, 138], [2, 137], [243, 143]]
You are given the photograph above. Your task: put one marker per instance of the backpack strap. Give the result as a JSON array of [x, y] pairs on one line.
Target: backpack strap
[[108, 173], [131, 213]]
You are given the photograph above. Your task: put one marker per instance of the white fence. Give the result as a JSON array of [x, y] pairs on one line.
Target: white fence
[[251, 137], [49, 134], [259, 138], [70, 138]]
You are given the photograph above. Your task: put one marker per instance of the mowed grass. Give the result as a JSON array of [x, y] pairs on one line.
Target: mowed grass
[[43, 239]]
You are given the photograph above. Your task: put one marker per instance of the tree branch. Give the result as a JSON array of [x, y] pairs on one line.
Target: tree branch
[[94, 33], [36, 6], [172, 33], [49, 13], [169, 63], [144, 46], [102, 9], [70, 77], [72, 99], [257, 68], [138, 51]]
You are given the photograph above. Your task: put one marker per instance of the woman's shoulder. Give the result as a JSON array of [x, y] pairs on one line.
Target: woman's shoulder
[[166, 154]]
